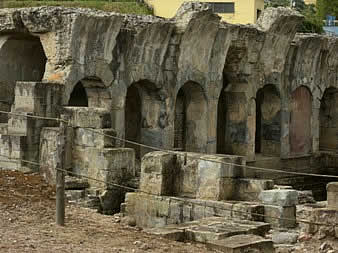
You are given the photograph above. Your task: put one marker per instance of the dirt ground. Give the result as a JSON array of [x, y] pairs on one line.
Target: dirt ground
[[27, 224]]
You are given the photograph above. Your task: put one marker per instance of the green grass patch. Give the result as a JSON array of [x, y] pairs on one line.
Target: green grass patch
[[126, 6]]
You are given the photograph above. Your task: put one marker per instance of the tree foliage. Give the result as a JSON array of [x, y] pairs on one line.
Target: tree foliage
[[327, 7]]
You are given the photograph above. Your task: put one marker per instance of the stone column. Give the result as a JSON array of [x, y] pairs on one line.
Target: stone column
[[212, 127], [285, 128], [315, 128]]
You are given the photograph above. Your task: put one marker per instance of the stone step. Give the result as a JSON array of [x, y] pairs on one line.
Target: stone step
[[211, 229], [241, 244]]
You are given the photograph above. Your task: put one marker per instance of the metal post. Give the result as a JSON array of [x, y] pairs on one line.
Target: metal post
[[60, 174]]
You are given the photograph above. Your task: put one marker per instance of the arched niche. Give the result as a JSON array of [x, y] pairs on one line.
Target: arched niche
[[78, 97], [300, 121], [328, 116], [90, 92], [268, 121], [232, 120], [133, 118], [145, 117], [190, 126], [22, 58]]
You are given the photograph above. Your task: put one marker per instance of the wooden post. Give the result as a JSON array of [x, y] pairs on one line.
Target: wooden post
[[60, 175]]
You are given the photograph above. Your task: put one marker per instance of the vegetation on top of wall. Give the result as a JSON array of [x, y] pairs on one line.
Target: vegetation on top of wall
[[121, 6], [313, 22]]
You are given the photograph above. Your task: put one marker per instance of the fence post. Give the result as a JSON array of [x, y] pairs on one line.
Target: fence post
[[60, 174]]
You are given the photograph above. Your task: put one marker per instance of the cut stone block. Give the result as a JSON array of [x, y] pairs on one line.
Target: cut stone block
[[242, 243], [279, 216], [86, 117], [279, 197], [332, 195]]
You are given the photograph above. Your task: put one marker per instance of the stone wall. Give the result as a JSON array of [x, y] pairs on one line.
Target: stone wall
[[193, 57]]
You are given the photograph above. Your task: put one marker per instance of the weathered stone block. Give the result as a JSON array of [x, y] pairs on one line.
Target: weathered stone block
[[49, 156], [86, 117], [284, 237], [111, 165], [332, 195], [18, 125], [88, 138], [157, 172], [279, 197], [207, 176], [247, 189], [278, 216], [325, 216], [75, 195], [149, 211], [3, 128], [248, 211]]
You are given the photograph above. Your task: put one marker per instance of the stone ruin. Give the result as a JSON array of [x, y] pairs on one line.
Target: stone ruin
[[220, 95]]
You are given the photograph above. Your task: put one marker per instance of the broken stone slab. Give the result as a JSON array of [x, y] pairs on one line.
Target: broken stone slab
[[217, 228], [242, 243], [332, 195], [284, 237], [204, 234], [210, 229], [168, 233], [325, 216], [280, 217], [305, 197], [282, 198]]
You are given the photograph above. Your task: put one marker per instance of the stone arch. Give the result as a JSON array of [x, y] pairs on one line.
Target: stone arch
[[22, 58], [301, 121], [268, 121], [328, 118], [190, 125]]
